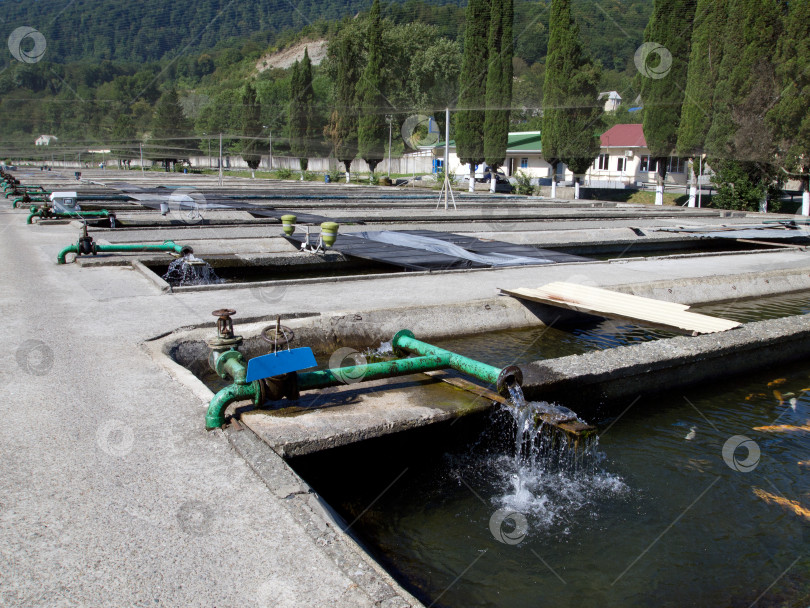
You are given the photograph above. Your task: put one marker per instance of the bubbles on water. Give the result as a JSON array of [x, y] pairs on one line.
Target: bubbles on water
[[190, 270], [384, 349]]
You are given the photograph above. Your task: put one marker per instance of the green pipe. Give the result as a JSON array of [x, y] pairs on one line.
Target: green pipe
[[74, 248], [372, 371], [74, 214], [215, 417], [404, 342], [231, 363], [166, 246]]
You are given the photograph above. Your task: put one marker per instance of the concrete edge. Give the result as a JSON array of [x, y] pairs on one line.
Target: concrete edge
[[722, 288], [323, 526], [383, 276], [596, 378], [160, 352], [153, 278]]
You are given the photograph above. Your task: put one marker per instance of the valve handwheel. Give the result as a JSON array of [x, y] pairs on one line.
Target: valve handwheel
[[278, 335], [224, 312]]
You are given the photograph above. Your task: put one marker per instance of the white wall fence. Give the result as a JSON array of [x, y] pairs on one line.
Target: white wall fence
[[408, 164]]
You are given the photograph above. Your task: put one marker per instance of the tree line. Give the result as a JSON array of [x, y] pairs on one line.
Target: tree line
[[735, 93]]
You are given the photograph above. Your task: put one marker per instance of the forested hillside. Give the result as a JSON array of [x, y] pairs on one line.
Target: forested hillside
[[108, 63], [151, 30]]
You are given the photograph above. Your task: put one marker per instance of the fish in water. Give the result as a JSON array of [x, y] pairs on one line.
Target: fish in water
[[778, 396], [691, 434], [793, 402], [777, 382], [792, 505], [785, 428]]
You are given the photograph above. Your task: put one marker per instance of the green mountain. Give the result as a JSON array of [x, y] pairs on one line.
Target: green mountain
[[153, 30]]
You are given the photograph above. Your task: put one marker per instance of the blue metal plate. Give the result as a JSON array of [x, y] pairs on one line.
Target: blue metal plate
[[282, 362]]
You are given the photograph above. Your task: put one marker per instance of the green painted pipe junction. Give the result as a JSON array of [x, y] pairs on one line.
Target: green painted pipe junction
[[430, 358], [84, 247]]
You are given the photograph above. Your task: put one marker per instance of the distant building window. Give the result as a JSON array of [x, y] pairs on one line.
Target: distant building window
[[524, 163], [648, 163], [677, 165], [620, 164], [602, 162]]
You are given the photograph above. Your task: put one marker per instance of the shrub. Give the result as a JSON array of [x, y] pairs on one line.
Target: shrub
[[524, 184]]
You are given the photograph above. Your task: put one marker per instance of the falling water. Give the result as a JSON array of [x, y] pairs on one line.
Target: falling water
[[550, 475], [189, 270]]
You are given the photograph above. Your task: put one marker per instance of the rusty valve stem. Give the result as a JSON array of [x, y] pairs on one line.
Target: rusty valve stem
[[225, 339]]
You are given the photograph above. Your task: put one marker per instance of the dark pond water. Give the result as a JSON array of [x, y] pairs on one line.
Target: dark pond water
[[662, 511]]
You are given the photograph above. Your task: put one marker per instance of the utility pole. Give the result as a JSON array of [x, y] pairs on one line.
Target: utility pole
[[220, 159], [141, 147], [390, 119], [446, 187]]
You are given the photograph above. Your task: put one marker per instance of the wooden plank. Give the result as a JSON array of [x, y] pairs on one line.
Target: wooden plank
[[626, 307]]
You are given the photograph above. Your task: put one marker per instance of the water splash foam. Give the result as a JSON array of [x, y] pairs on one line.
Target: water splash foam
[[190, 270]]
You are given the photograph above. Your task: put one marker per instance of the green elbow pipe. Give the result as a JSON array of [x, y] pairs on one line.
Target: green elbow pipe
[[404, 342], [33, 215], [231, 363], [372, 371], [215, 417], [60, 259]]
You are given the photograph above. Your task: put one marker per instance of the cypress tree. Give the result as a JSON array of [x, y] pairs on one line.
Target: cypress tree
[[662, 89], [251, 127], [746, 84], [472, 87], [169, 126], [300, 114], [704, 68], [572, 117], [499, 85], [342, 127], [790, 118], [372, 131], [745, 90]]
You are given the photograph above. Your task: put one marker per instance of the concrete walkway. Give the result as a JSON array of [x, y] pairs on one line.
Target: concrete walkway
[[113, 495]]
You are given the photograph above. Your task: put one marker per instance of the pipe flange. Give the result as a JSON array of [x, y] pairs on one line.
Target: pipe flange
[[402, 333], [219, 365], [509, 376], [224, 343]]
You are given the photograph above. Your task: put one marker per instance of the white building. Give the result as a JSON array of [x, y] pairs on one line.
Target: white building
[[625, 159], [45, 140], [612, 100], [523, 153]]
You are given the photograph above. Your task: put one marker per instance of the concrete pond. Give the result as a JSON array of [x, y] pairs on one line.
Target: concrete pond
[[640, 461]]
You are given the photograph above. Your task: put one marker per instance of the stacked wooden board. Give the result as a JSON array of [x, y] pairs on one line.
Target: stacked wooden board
[[615, 305]]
